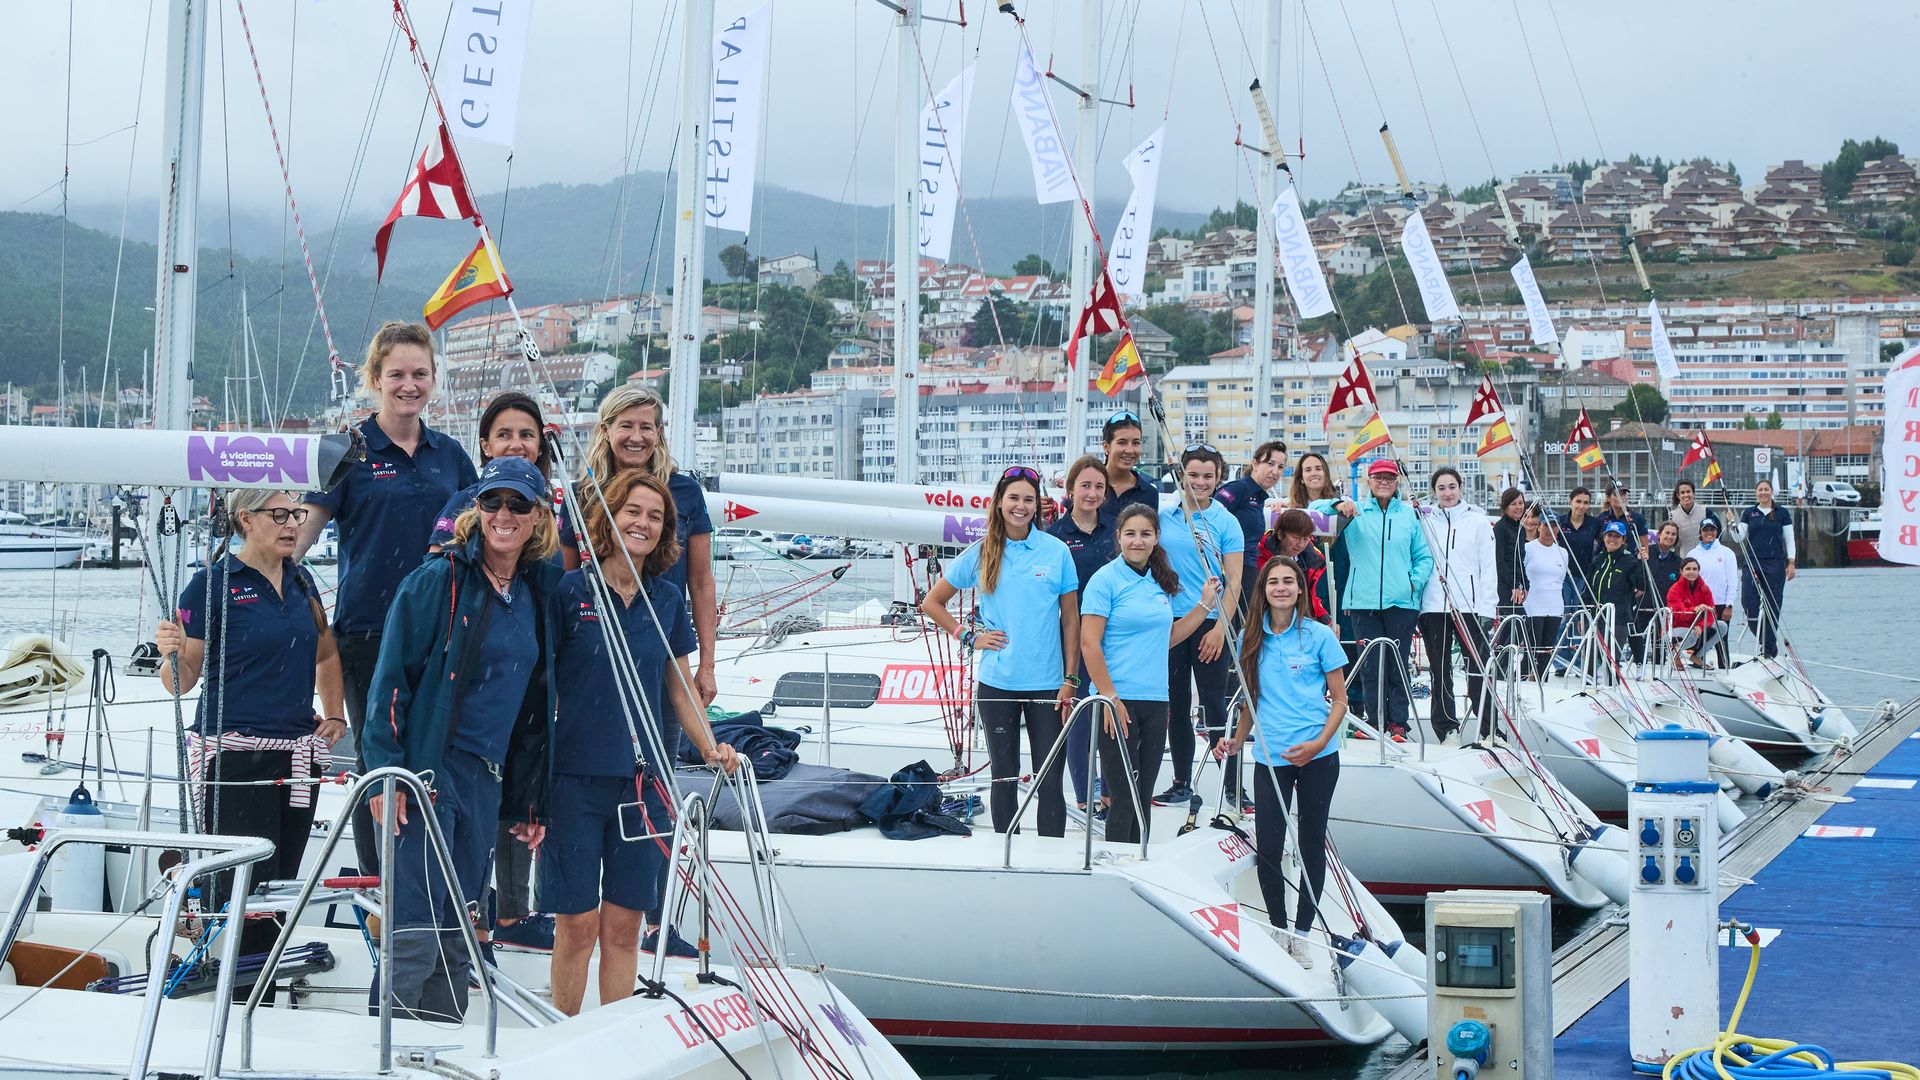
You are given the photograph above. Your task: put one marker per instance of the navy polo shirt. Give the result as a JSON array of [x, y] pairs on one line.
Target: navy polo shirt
[[496, 688], [1767, 532], [1090, 550], [385, 509], [1247, 502], [270, 651], [590, 735], [689, 510], [1582, 542], [1144, 491]]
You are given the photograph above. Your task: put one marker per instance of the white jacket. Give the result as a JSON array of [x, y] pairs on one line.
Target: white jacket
[[1461, 539], [1720, 571]]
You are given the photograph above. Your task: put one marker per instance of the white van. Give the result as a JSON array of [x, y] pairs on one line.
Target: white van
[[1835, 493]]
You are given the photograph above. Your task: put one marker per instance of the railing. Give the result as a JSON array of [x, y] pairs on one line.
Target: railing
[[391, 779], [1054, 753], [236, 853], [1392, 649]]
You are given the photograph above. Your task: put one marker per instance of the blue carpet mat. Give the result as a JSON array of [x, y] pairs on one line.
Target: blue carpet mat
[[1841, 973]]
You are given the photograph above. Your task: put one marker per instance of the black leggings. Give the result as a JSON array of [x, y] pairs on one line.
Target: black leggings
[[1438, 632], [1002, 714], [1545, 631], [1273, 790], [1146, 741], [261, 811], [1186, 672]]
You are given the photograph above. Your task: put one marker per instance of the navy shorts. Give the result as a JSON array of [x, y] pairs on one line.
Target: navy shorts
[[584, 860]]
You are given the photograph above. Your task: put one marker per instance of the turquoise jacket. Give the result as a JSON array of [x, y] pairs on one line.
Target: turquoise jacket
[[413, 697], [1388, 562]]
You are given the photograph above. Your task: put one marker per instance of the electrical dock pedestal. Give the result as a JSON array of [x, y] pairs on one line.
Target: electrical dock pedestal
[[1673, 988], [1490, 985]]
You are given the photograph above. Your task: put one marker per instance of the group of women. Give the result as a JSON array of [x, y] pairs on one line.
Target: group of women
[[471, 646]]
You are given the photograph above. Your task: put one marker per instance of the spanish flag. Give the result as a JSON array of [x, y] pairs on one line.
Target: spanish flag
[[1713, 471], [1589, 458], [1370, 435], [1497, 435], [476, 280], [1122, 367]]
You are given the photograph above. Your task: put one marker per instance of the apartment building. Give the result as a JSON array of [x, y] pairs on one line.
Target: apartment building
[[1886, 181]]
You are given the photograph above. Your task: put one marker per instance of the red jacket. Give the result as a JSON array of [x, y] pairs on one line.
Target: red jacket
[[1314, 563], [1683, 597]]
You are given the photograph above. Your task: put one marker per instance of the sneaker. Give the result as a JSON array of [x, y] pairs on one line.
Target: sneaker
[[1299, 950], [676, 945], [1177, 795], [1100, 814], [534, 932]]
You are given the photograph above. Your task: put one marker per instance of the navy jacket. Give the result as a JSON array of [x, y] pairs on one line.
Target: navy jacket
[[1247, 502], [413, 697]]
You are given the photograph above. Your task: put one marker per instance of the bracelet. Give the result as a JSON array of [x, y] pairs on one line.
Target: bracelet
[[966, 638], [333, 719], [1073, 681]]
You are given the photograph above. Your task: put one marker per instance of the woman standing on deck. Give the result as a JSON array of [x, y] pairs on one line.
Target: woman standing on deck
[[1089, 538], [1312, 480], [1510, 564], [1686, 515], [253, 624], [632, 434], [1121, 440], [1125, 632], [1201, 540], [599, 883], [1294, 670], [384, 510], [1720, 572], [1770, 558], [463, 689], [1548, 564], [1029, 628]]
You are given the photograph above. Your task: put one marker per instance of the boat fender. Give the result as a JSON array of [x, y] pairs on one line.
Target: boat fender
[[1373, 974], [1831, 723], [1728, 812], [1407, 958], [77, 874], [1602, 863]]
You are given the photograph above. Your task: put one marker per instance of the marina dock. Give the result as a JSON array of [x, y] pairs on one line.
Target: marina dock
[[1832, 893]]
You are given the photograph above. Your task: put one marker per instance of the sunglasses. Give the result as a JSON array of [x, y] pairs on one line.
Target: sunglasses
[[1194, 447], [283, 514], [1020, 472], [518, 505], [1123, 416]]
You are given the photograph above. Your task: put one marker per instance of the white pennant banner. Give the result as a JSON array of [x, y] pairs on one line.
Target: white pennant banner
[[1539, 319], [943, 128], [1662, 348], [1127, 258], [480, 82], [1046, 149], [1900, 501], [733, 145], [1428, 273], [1298, 261]]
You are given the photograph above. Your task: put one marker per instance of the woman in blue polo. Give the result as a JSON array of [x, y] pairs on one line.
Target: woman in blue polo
[[251, 628], [462, 693], [1294, 669], [385, 510], [598, 882], [1202, 539], [1028, 611], [1125, 632], [1089, 537]]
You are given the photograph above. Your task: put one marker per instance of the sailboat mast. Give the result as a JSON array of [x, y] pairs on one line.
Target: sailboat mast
[[1268, 190], [177, 274], [690, 229], [1086, 163], [907, 139]]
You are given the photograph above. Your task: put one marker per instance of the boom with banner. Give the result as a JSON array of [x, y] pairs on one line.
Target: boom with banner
[[176, 459], [740, 54], [1900, 493], [956, 526]]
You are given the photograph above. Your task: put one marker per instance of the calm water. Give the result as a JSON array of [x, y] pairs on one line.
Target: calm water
[[1848, 625]]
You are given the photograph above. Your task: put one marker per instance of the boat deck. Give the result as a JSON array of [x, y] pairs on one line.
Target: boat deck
[[1832, 895]]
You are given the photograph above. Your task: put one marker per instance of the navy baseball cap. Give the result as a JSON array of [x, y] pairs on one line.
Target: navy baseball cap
[[516, 475]]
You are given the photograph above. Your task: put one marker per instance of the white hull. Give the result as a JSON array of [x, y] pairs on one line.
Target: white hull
[[1768, 704], [48, 552]]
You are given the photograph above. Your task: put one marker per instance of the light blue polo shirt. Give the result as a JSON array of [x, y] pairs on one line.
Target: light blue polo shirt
[[1034, 574], [1139, 624], [1219, 531], [1293, 688]]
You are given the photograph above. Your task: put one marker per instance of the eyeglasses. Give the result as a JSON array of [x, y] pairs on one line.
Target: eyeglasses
[[518, 505], [283, 514], [1020, 472], [1123, 416], [1200, 447]]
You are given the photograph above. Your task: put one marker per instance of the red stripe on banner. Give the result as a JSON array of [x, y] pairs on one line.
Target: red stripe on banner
[[1839, 831], [980, 1029]]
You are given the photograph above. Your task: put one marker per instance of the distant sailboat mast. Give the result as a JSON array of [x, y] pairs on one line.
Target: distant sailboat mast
[[690, 229]]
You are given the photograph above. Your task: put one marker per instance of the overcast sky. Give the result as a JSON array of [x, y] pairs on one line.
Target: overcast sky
[[1756, 81]]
